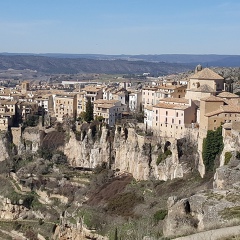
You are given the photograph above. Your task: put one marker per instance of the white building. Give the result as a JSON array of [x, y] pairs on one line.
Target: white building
[[135, 100]]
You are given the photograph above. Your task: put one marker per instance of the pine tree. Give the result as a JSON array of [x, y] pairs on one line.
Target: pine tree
[[89, 111]]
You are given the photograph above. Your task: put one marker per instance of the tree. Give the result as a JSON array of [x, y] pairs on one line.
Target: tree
[[212, 146], [89, 111]]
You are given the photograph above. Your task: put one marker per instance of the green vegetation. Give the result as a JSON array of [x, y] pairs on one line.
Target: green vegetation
[[159, 215], [212, 146], [31, 121], [228, 156], [231, 213], [89, 111], [163, 156], [123, 204]]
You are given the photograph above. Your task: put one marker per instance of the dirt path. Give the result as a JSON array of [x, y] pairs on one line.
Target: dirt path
[[215, 234]]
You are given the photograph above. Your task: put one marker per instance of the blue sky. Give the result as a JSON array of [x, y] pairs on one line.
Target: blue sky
[[120, 26]]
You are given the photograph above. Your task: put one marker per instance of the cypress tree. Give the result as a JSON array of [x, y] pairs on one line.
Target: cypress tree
[[89, 111]]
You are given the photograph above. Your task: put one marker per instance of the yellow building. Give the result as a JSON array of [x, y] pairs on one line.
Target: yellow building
[[65, 106]]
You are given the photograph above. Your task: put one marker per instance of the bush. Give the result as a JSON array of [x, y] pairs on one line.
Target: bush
[[159, 215], [123, 204], [228, 156], [163, 156]]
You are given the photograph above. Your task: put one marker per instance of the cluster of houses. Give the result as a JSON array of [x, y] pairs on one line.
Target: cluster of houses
[[169, 107]]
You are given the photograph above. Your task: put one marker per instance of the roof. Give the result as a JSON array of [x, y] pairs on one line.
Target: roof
[[103, 101], [106, 105], [203, 88], [227, 95], [171, 106], [175, 100], [207, 74], [92, 88], [171, 86], [7, 102], [225, 109], [148, 107], [212, 99]]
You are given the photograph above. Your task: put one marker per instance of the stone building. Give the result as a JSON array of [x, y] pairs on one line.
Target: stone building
[[204, 83], [65, 105]]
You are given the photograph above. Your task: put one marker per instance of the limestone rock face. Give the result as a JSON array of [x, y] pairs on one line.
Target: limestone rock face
[[203, 211], [127, 151], [31, 138], [133, 154], [227, 176], [3, 147], [87, 153]]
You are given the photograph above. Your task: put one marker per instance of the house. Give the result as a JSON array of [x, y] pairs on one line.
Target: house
[[93, 92], [148, 116], [65, 105], [8, 111], [171, 117], [45, 102], [148, 96], [135, 101], [110, 110]]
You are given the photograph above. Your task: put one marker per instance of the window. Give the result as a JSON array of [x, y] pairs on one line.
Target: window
[[157, 118], [177, 114], [172, 120], [166, 113], [179, 121], [165, 120], [215, 120], [156, 111]]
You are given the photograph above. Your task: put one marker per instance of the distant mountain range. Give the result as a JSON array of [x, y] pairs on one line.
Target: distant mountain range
[[114, 64]]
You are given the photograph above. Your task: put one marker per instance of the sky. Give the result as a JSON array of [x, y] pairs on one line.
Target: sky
[[120, 26]]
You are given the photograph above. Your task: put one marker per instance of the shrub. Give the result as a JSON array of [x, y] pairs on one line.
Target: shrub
[[123, 204], [159, 215], [228, 156], [163, 156]]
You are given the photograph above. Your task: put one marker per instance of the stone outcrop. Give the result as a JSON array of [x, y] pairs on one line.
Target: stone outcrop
[[127, 151], [202, 211], [4, 146]]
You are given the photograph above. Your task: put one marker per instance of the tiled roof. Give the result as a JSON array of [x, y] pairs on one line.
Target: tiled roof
[[175, 100], [171, 86], [148, 107], [227, 95], [106, 105], [104, 101], [212, 99], [225, 109], [92, 88], [206, 74], [171, 106], [7, 102]]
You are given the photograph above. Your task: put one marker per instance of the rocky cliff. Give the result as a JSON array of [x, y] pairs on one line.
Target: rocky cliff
[[128, 150]]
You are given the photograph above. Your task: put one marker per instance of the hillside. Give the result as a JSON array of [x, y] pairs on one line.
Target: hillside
[[82, 65]]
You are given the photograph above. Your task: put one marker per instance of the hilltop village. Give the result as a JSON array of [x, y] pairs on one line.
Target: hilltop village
[[169, 108]]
